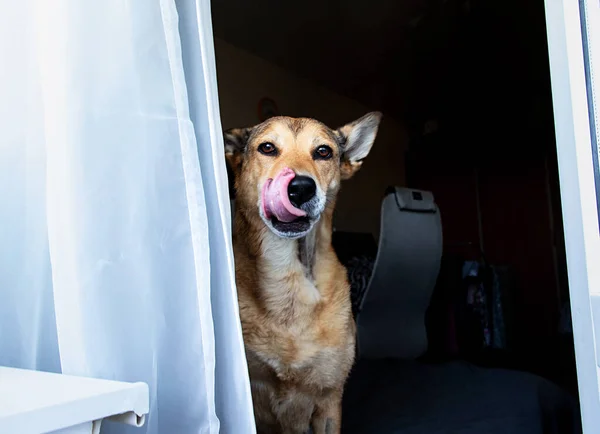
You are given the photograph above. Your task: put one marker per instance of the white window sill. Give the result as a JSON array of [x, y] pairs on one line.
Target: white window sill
[[34, 402]]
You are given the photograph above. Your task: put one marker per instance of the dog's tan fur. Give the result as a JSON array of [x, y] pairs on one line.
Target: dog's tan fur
[[294, 296]]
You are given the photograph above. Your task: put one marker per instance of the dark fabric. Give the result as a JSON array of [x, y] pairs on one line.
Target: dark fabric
[[359, 270], [507, 282], [470, 313], [440, 318], [405, 397], [348, 245], [357, 252]]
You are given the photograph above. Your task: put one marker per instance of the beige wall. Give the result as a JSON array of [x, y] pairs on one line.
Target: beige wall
[[244, 79]]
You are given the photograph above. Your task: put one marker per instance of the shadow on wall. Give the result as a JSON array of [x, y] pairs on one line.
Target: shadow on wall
[[244, 79]]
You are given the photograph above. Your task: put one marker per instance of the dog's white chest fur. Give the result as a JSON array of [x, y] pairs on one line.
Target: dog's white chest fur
[[285, 279]]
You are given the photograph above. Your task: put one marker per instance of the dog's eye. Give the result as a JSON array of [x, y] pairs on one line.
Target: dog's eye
[[323, 152], [267, 149]]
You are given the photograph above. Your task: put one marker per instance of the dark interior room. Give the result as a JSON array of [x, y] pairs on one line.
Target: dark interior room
[[464, 86]]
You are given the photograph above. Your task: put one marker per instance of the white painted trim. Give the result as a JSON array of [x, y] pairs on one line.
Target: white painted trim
[[580, 217], [590, 10], [592, 20], [595, 299]]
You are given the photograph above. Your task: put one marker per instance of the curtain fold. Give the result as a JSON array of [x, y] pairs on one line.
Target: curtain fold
[[115, 252]]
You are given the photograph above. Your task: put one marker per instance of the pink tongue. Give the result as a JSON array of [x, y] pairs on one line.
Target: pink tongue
[[275, 200]]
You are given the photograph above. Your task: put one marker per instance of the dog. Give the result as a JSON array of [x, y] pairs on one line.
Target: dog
[[293, 293]]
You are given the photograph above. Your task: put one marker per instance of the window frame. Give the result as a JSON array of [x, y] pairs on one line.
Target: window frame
[[573, 47]]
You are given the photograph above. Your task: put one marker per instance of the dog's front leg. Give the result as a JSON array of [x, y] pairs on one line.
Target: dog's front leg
[[327, 418]]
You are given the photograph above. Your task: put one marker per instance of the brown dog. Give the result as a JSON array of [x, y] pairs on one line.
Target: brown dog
[[293, 293]]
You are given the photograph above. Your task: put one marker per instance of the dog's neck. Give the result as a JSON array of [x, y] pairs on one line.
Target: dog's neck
[[287, 270]]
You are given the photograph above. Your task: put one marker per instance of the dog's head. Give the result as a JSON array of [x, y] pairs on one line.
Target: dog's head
[[288, 169]]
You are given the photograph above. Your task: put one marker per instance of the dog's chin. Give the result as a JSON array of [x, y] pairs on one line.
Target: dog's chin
[[292, 230]]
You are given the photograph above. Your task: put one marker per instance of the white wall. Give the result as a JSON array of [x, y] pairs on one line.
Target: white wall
[[244, 79]]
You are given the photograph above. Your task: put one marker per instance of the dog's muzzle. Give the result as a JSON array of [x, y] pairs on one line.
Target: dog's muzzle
[[283, 195], [290, 203]]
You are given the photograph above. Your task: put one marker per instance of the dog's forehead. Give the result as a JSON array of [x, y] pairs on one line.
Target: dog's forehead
[[286, 130]]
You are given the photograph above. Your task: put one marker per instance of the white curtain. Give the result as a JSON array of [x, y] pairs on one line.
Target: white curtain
[[115, 252]]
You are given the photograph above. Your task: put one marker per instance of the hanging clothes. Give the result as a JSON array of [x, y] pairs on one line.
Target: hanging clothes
[[484, 310], [475, 317]]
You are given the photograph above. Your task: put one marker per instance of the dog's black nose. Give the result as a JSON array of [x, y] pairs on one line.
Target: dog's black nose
[[301, 189]]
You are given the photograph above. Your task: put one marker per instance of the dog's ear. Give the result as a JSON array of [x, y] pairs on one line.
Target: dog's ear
[[235, 140], [356, 140]]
